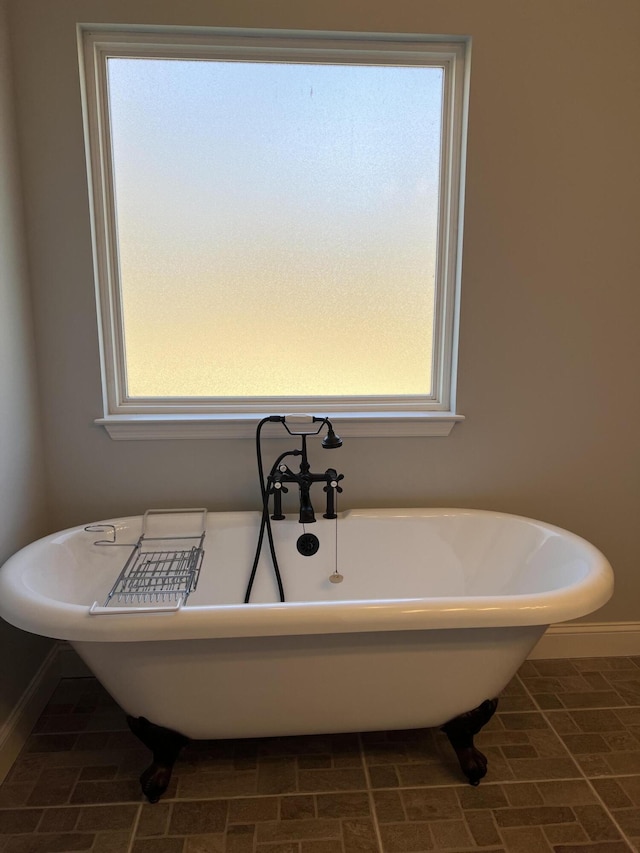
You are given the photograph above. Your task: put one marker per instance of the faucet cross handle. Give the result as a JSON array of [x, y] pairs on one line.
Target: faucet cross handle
[[276, 488]]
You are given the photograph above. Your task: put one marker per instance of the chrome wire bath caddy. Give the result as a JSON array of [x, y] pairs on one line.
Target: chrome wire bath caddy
[[163, 567]]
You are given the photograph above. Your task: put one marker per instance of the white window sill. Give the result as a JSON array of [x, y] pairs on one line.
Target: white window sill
[[347, 424]]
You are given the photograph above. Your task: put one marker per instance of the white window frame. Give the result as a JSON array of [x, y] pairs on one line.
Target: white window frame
[[127, 418]]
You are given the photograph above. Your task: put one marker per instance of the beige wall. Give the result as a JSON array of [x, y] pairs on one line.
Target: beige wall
[[22, 497], [550, 349]]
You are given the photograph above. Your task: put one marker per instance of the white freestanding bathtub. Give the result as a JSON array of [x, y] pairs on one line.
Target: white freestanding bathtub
[[435, 612]]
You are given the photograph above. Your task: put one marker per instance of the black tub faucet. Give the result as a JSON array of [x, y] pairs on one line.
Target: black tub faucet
[[282, 475]]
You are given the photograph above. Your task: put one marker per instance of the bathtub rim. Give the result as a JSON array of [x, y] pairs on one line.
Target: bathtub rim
[[31, 611]]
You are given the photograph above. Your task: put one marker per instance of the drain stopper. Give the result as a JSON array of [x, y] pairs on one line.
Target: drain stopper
[[308, 544]]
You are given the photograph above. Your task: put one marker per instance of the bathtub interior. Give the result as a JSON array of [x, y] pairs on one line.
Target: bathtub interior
[[380, 556]]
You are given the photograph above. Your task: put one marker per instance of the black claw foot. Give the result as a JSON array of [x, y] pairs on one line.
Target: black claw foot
[[165, 745], [461, 732]]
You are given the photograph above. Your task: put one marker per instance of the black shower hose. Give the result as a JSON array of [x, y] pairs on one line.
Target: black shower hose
[[266, 521]]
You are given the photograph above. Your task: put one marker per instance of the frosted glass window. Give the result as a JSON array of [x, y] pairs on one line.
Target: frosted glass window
[[276, 226], [276, 221]]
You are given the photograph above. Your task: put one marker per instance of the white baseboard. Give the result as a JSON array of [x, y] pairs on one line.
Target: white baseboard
[[589, 640], [61, 662], [568, 640], [17, 728]]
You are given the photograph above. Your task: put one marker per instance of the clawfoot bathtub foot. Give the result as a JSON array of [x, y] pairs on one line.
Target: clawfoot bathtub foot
[[461, 732], [165, 745]]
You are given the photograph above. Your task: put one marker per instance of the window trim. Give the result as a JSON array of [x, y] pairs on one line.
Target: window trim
[[126, 417]]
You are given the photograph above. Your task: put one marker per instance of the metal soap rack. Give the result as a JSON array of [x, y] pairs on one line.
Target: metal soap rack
[[160, 572]]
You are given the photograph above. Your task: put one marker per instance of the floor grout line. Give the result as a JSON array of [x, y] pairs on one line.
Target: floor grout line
[[134, 830], [370, 794]]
